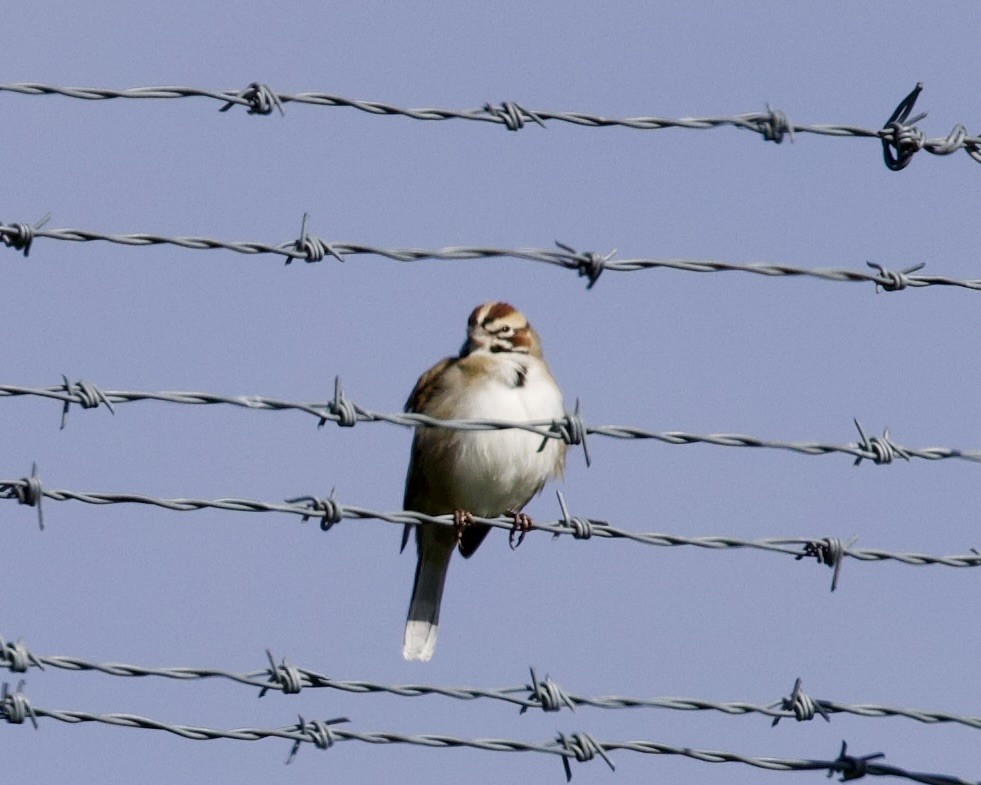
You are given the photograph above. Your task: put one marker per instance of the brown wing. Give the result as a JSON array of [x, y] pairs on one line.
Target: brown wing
[[415, 481], [427, 386]]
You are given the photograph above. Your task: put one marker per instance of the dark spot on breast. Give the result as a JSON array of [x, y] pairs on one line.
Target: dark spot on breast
[[521, 376]]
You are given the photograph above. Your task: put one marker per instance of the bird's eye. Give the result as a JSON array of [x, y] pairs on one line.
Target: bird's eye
[[505, 331]]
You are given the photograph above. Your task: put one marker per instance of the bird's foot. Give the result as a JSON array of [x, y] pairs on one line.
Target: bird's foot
[[522, 525], [462, 520]]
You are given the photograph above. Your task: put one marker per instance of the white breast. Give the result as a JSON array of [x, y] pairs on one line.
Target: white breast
[[497, 471]]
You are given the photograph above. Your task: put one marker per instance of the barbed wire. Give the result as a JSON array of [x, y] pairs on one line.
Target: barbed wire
[[582, 747], [588, 264], [901, 139], [829, 551], [570, 429], [544, 694]]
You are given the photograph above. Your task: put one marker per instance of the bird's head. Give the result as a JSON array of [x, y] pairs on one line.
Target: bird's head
[[499, 327]]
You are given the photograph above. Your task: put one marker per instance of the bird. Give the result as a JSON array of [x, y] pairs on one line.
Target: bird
[[500, 374]]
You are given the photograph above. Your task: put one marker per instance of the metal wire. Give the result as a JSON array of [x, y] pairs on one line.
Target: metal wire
[[588, 264], [900, 141], [571, 429], [900, 137], [542, 694], [829, 551], [15, 708]]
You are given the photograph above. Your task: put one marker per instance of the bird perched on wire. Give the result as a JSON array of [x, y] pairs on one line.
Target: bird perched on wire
[[499, 374]]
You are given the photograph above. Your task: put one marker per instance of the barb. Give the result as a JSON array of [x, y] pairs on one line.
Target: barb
[[319, 734], [86, 394], [310, 248], [543, 694], [588, 264], [899, 132], [853, 767], [21, 236], [583, 747], [905, 139], [28, 492], [14, 706], [258, 98], [802, 707], [578, 746], [828, 552], [570, 429], [330, 512]]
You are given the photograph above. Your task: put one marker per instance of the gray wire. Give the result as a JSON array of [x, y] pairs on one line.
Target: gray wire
[[571, 429], [830, 551], [589, 264], [542, 694], [15, 708], [900, 137]]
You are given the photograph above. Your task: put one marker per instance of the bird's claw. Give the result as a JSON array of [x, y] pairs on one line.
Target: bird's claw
[[522, 525], [462, 520]]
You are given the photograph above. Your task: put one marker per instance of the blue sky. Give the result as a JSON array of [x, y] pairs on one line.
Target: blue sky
[[663, 350]]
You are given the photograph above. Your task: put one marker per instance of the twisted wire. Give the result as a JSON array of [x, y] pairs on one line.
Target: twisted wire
[[14, 707], [570, 429], [543, 694], [311, 507], [900, 138], [804, 708], [588, 264]]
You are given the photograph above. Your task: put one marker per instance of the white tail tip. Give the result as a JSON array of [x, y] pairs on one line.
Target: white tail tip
[[419, 641]]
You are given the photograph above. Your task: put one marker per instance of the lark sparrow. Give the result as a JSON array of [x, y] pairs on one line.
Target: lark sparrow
[[499, 374]]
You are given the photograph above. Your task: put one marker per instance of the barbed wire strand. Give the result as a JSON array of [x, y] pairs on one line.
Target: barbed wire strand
[[588, 264], [581, 746], [544, 694], [901, 139], [571, 429], [829, 551], [15, 708]]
